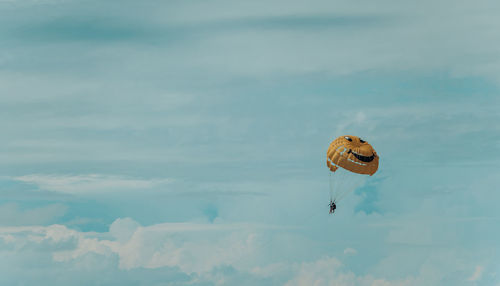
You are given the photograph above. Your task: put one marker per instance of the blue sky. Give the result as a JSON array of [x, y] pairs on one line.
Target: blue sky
[[183, 142]]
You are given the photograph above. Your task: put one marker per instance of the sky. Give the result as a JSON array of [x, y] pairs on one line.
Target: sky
[[183, 142]]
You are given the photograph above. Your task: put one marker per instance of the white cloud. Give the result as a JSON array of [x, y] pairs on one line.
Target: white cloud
[[203, 251], [329, 271], [123, 228], [193, 248], [85, 184]]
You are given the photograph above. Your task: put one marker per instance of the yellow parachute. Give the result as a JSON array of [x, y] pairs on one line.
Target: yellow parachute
[[348, 157]]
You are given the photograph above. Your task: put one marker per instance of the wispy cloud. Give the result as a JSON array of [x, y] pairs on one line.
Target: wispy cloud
[[92, 183], [478, 273], [350, 251], [341, 38]]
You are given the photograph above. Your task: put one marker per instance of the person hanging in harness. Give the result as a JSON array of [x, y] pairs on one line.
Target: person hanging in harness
[[332, 206]]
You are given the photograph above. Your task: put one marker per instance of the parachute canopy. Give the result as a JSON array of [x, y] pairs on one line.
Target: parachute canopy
[[353, 154]]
